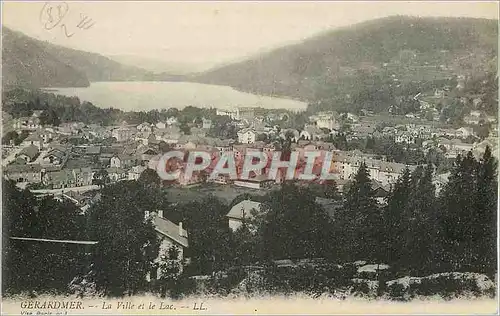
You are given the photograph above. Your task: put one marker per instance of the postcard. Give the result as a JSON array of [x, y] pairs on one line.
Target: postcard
[[249, 157]]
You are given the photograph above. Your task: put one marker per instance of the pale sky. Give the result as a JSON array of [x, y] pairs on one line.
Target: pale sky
[[207, 33]]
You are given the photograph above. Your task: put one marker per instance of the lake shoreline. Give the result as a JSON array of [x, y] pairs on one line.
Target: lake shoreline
[[157, 95]]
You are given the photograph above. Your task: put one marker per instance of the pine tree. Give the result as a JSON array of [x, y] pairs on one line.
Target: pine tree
[[128, 243], [360, 220], [294, 226], [395, 219], [421, 228], [485, 219], [457, 203]]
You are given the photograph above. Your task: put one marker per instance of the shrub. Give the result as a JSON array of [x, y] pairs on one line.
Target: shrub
[[397, 291]]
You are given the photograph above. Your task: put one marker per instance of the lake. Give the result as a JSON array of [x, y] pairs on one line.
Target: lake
[[145, 96]]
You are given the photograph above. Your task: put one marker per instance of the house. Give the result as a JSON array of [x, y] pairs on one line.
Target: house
[[246, 136], [312, 132], [145, 127], [56, 157], [362, 130], [122, 133], [346, 165], [135, 172], [33, 139], [257, 182], [171, 236], [122, 161], [27, 123], [405, 137], [116, 174], [327, 121], [67, 178], [242, 211], [28, 154], [206, 123], [221, 179], [380, 191], [465, 132], [24, 173], [454, 147], [146, 153]]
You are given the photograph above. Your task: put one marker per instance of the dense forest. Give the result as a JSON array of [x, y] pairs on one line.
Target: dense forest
[[371, 64], [33, 63]]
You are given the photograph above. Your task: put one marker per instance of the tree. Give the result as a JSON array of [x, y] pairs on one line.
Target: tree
[[484, 225], [149, 177], [294, 225], [245, 245], [128, 243], [340, 142], [43, 267], [262, 137], [185, 129], [421, 223], [170, 267], [457, 202], [50, 117], [209, 235], [10, 136], [359, 221], [164, 147], [395, 219]]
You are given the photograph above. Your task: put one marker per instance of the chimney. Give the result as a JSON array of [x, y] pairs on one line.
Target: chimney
[[181, 232], [160, 213]]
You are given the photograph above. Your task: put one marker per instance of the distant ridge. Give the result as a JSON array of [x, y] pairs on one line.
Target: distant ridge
[[307, 69], [30, 62]]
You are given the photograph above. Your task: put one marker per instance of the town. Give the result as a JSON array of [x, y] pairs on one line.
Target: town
[[363, 164], [74, 156]]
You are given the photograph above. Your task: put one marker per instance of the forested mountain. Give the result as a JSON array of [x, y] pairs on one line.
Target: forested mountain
[[359, 57], [27, 62], [30, 62]]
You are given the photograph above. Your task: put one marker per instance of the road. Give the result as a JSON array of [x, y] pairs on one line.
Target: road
[[60, 191]]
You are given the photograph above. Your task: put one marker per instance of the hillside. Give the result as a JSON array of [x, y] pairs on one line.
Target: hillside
[[416, 49], [30, 62], [26, 62]]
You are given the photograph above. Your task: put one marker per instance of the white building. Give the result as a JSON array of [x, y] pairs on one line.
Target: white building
[[122, 133], [171, 236], [246, 136], [232, 113], [405, 138]]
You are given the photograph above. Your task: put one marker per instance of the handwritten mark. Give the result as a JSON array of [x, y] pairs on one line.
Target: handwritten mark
[[85, 22], [53, 14]]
